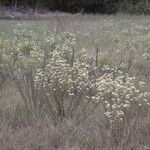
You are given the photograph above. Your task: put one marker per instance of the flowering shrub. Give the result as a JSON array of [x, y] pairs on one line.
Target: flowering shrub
[[51, 75], [119, 93]]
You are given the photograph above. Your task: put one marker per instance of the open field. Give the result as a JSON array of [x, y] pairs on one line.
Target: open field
[[75, 82]]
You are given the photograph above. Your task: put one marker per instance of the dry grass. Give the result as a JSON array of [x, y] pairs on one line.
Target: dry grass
[[21, 130]]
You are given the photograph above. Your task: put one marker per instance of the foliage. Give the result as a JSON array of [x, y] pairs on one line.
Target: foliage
[[52, 76], [90, 6], [106, 106]]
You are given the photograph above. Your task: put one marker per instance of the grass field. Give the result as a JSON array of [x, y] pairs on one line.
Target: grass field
[[104, 106]]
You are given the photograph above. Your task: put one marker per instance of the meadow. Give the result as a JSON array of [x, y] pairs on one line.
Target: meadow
[[75, 82]]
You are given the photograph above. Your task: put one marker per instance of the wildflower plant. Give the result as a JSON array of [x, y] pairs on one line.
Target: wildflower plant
[[52, 75], [120, 93]]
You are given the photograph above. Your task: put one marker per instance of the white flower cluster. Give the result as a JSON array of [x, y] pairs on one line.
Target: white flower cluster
[[61, 76], [119, 93]]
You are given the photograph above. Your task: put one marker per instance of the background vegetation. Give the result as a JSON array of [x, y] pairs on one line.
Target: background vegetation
[[91, 6]]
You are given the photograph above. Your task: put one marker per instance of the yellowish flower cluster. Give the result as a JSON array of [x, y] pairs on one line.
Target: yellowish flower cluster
[[119, 93]]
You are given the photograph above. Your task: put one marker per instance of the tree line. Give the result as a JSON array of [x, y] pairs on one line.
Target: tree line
[[90, 6]]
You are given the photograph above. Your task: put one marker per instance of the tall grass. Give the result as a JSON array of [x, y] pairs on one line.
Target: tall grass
[[60, 92]]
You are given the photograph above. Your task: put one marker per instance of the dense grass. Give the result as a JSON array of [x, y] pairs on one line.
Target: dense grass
[[120, 42]]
